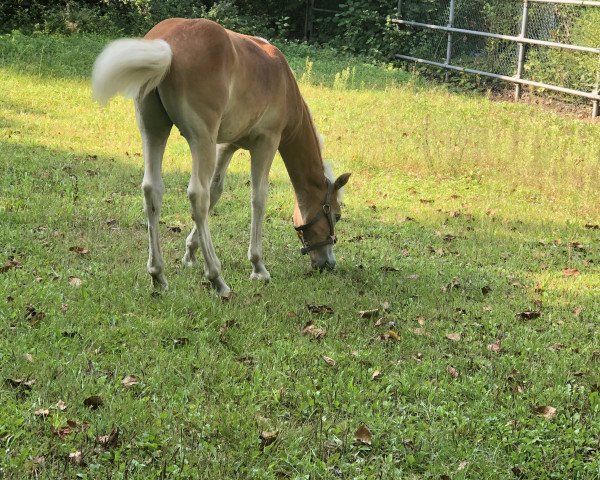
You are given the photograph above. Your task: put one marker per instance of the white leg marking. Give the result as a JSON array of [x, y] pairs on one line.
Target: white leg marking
[[262, 158]]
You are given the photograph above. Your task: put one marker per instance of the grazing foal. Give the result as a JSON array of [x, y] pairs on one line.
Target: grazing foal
[[223, 91]]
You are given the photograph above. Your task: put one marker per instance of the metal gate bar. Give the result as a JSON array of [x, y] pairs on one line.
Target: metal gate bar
[[522, 40]]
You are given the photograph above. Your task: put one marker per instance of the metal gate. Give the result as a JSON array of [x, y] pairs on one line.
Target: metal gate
[[523, 41]]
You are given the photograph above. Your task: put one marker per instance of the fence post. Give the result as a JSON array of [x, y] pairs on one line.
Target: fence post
[[521, 56], [308, 20], [450, 25]]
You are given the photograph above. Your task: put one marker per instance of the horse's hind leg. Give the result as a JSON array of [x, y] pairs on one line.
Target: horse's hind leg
[[155, 126], [262, 158], [203, 151], [225, 152]]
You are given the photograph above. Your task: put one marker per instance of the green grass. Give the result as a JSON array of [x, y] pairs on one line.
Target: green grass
[[461, 213]]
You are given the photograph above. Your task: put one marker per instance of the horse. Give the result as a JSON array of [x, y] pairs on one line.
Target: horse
[[224, 91]]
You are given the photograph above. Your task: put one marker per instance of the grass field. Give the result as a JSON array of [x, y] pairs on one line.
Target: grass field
[[471, 225]]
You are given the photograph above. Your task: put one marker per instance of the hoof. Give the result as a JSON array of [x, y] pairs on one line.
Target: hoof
[[159, 282], [188, 260], [221, 288], [263, 276]]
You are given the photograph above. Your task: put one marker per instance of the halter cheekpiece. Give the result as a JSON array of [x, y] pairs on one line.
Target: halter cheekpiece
[[326, 212]]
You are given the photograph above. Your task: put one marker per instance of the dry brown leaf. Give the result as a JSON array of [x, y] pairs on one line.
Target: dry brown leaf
[[329, 361], [79, 250], [577, 311], [60, 405], [76, 458], [20, 383], [130, 381], [319, 309], [42, 412], [529, 315], [74, 281], [110, 440], [455, 337], [452, 371], [495, 347], [376, 375], [391, 334], [32, 315], [571, 272], [363, 435], [10, 264], [545, 411], [421, 320], [312, 330], [94, 402], [462, 465], [267, 438], [368, 313], [379, 322], [61, 432]]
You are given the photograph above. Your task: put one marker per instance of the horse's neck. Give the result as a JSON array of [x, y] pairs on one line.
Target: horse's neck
[[302, 158]]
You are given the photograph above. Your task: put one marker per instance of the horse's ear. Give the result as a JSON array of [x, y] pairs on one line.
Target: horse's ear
[[341, 181]]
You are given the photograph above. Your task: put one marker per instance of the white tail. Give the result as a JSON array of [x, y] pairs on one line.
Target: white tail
[[132, 67]]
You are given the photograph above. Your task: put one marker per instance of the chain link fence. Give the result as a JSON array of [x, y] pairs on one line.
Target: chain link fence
[[572, 23]]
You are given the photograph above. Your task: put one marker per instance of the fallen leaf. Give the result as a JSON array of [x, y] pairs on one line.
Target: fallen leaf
[[452, 371], [20, 383], [39, 460], [74, 281], [421, 320], [64, 307], [376, 375], [545, 411], [462, 465], [391, 334], [32, 315], [94, 402], [180, 342], [60, 405], [42, 412], [557, 347], [455, 337], [10, 264], [368, 313], [226, 326], [28, 357], [314, 331], [61, 432], [577, 311], [571, 272], [495, 347], [319, 309], [379, 322], [110, 440], [267, 438], [529, 315], [130, 381], [386, 307], [329, 361], [363, 435], [76, 458], [79, 250]]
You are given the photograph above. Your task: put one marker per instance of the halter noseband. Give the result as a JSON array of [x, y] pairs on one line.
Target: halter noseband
[[326, 212]]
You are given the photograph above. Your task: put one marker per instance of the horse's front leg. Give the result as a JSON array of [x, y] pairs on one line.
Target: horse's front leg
[[203, 165], [262, 158], [155, 127]]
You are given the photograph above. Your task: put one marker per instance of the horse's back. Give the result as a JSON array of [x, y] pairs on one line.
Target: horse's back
[[235, 80]]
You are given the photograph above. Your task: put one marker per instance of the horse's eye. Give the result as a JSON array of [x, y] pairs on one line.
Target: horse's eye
[[338, 217]]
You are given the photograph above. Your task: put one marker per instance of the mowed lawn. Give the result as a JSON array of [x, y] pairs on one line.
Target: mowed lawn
[[458, 335]]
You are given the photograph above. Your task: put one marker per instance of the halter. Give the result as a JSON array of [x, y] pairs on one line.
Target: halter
[[326, 212]]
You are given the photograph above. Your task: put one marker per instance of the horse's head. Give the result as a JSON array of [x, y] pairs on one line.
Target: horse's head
[[316, 229]]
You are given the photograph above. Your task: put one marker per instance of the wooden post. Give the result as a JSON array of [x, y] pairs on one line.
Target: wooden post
[[521, 55]]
